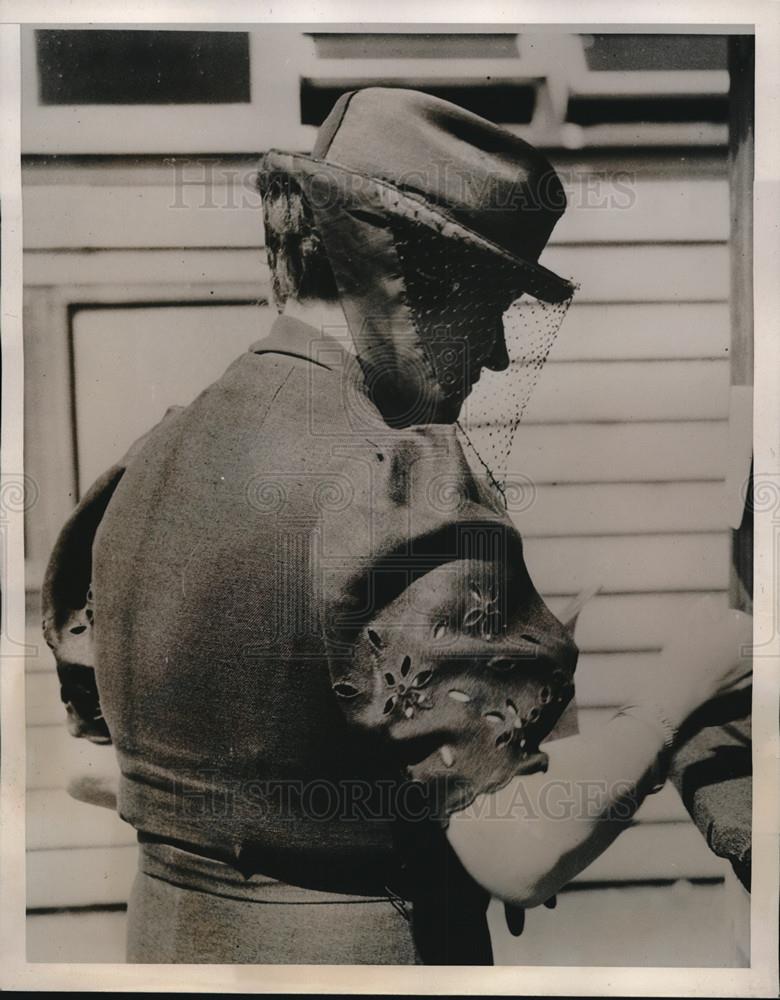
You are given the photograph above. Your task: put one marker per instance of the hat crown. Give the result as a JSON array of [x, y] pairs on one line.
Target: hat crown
[[478, 173]]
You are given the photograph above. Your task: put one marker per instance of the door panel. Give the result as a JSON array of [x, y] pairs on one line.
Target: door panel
[[131, 364]]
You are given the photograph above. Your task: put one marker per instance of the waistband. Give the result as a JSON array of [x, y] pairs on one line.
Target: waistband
[[335, 857], [204, 874]]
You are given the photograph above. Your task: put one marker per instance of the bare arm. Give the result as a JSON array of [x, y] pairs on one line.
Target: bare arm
[[526, 841]]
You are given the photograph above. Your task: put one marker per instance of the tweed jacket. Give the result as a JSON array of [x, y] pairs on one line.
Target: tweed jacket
[[296, 623]]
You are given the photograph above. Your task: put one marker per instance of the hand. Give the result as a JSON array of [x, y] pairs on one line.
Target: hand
[[95, 790], [707, 653], [95, 779]]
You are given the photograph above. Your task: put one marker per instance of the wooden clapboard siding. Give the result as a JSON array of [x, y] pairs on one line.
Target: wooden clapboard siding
[[624, 442], [80, 876], [186, 205], [54, 757], [637, 564], [149, 267], [641, 273], [42, 699], [657, 851], [643, 331], [696, 272], [622, 508], [676, 926], [623, 450], [38, 658], [621, 391], [626, 208], [58, 821], [626, 621]]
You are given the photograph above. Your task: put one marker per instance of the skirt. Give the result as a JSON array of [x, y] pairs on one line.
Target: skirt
[[186, 908]]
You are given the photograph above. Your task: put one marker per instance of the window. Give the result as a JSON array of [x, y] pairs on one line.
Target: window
[[142, 67]]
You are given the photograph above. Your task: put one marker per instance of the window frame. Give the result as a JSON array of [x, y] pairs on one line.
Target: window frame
[[276, 57], [48, 322], [281, 57]]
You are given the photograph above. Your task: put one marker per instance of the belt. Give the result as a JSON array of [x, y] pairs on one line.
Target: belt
[[201, 873]]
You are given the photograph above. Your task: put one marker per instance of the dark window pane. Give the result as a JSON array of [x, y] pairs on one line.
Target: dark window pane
[[613, 110], [644, 52], [508, 104], [142, 67]]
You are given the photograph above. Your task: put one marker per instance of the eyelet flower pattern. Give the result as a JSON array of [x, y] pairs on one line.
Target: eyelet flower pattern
[[511, 722], [483, 618], [407, 693], [478, 715]]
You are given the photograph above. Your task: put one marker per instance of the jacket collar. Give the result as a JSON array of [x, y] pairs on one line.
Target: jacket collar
[[297, 339]]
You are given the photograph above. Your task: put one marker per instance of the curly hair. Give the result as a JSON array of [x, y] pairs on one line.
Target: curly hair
[[300, 269]]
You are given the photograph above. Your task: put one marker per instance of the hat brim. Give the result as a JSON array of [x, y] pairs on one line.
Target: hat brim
[[362, 192]]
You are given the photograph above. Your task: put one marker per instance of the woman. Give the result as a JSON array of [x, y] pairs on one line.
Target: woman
[[316, 646]]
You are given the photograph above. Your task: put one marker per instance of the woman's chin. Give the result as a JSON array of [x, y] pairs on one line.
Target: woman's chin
[[448, 410]]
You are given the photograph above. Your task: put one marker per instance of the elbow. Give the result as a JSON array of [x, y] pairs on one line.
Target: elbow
[[550, 870], [529, 893], [521, 871], [523, 864]]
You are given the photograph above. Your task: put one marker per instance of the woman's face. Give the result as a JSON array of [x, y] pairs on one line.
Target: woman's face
[[458, 357]]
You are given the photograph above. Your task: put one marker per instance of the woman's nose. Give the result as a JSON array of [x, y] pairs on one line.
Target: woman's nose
[[498, 359]]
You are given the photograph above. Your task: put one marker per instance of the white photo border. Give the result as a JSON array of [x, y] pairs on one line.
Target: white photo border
[[723, 16]]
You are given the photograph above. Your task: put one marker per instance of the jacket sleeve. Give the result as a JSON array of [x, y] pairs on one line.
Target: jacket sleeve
[[438, 643], [68, 603]]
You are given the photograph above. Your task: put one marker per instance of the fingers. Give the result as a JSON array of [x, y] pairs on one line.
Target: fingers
[[94, 791]]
